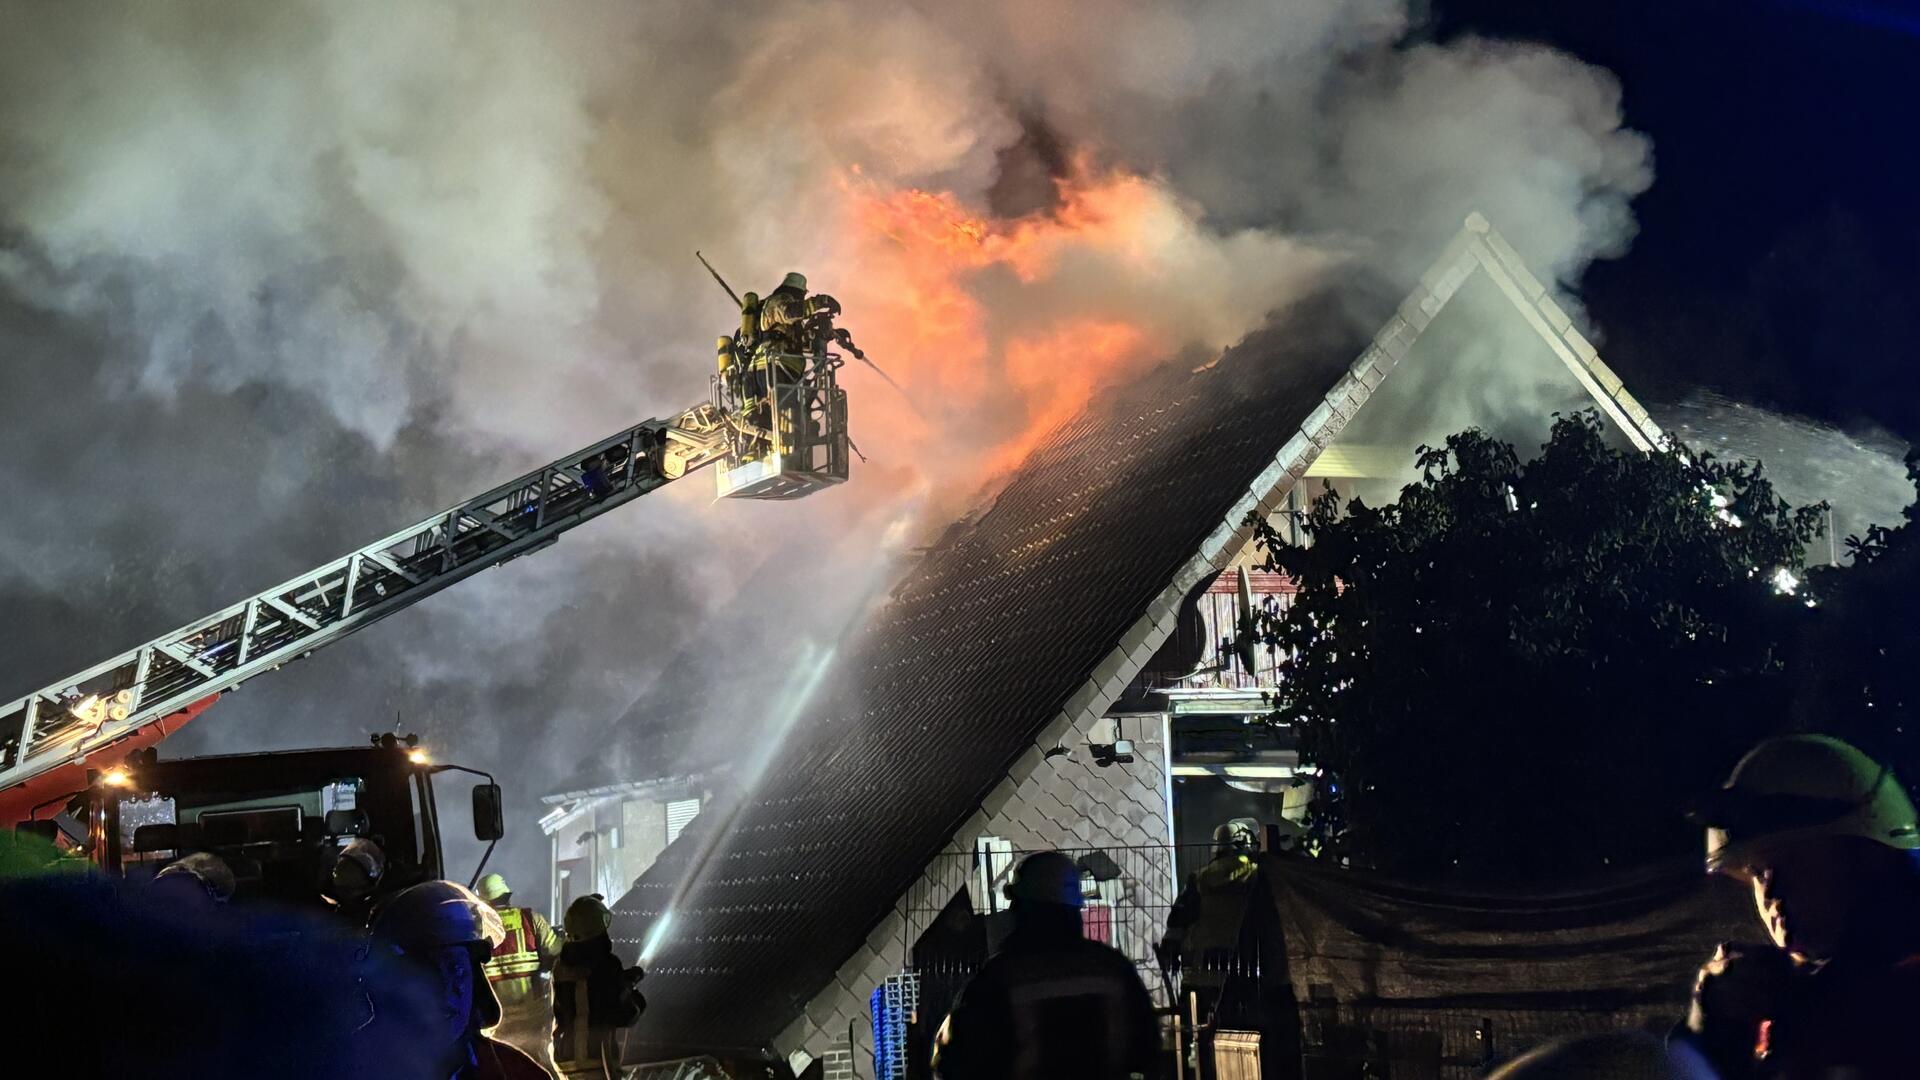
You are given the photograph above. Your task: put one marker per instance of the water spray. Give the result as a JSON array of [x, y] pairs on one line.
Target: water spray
[[809, 673]]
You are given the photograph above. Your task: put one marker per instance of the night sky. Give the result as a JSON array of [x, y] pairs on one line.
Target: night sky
[[1776, 255]]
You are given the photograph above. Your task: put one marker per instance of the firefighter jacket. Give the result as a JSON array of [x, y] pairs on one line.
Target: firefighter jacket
[[593, 1001], [782, 310], [1851, 1019], [1205, 929], [1051, 1005], [530, 949]]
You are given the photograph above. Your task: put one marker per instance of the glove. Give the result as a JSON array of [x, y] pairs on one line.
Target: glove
[[1740, 986]]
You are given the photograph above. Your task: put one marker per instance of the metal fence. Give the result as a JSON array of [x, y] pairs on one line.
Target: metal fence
[[956, 915], [1128, 892], [1413, 1043]]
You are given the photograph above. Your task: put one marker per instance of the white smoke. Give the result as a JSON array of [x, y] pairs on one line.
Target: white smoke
[[275, 279]]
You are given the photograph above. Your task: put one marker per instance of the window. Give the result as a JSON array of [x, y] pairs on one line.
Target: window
[[680, 813]]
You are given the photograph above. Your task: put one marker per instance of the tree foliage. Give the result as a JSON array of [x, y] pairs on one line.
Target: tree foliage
[[1519, 669], [1857, 660]]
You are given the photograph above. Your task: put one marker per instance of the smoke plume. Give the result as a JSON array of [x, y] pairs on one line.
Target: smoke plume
[[277, 279]]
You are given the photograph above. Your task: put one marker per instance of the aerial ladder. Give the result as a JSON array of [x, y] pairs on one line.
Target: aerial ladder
[[775, 429]]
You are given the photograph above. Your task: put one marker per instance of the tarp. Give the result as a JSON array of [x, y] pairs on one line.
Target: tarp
[[1433, 983], [1636, 940]]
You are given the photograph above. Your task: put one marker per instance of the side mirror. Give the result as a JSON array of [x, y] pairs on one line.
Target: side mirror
[[489, 816]]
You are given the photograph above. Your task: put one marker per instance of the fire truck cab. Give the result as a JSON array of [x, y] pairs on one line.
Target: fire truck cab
[[278, 819]]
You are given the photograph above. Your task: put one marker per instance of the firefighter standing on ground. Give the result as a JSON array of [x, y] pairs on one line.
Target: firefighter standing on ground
[[1826, 838], [518, 971], [1204, 940], [1050, 1004], [428, 992], [594, 998]]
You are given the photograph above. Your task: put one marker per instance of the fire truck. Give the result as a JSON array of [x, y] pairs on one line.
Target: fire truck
[[77, 760], [276, 819]]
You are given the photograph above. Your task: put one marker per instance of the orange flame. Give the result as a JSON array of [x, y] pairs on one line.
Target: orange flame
[[977, 319], [1059, 371]]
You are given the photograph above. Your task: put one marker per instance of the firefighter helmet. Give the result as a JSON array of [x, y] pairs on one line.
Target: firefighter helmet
[[1799, 786], [1240, 835], [794, 281], [368, 855], [587, 918], [494, 888], [210, 871], [421, 921], [1046, 877], [434, 914]]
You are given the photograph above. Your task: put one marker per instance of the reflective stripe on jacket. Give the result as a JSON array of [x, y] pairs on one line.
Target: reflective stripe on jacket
[[518, 954]]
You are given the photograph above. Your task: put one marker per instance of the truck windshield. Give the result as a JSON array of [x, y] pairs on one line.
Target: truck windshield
[[281, 842]]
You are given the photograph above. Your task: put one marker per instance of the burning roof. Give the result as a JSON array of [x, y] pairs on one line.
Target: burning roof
[[1041, 607]]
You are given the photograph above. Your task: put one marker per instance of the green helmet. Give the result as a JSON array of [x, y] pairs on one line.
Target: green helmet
[[1797, 787], [587, 918], [794, 281], [494, 888]]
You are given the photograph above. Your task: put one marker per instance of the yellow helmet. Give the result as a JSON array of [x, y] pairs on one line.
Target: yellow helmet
[[1800, 786], [494, 887]]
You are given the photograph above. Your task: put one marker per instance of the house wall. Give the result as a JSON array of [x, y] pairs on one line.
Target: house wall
[[643, 836], [1064, 802], [615, 842]]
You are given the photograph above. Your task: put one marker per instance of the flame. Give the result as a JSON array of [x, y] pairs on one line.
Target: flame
[[1059, 371], [992, 325]]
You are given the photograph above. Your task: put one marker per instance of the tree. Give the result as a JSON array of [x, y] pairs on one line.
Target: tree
[[1520, 670], [1857, 660]]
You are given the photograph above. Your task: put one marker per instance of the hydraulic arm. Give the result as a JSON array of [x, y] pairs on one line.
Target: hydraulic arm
[[777, 431], [61, 723]]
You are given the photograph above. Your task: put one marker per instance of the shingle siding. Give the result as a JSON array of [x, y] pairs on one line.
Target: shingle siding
[[1068, 802]]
